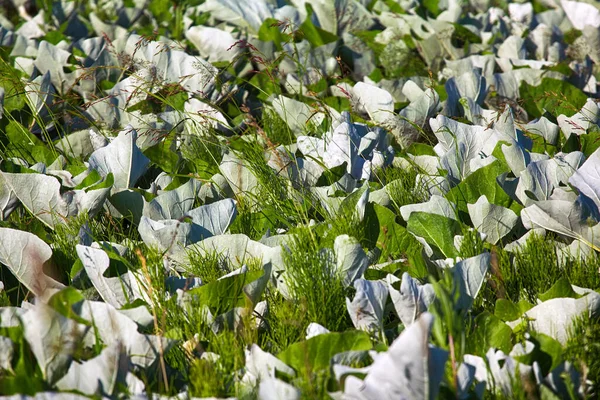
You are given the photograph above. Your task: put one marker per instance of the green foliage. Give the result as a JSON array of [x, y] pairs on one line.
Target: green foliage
[[314, 354], [394, 240], [437, 230], [223, 295], [214, 323], [481, 182], [583, 347], [313, 282], [555, 96]]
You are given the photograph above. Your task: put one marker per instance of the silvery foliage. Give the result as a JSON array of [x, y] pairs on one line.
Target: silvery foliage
[[362, 149], [559, 194]]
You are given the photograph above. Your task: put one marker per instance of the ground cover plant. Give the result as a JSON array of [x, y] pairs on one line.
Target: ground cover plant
[[299, 199]]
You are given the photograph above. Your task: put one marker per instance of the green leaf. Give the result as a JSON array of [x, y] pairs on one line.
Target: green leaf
[[162, 155], [63, 302], [14, 90], [562, 288], [591, 141], [462, 36], [315, 353], [92, 178], [54, 37], [368, 37], [24, 144], [548, 352], [265, 85], [105, 183], [270, 31], [489, 331], [553, 95], [432, 6], [338, 103], [315, 35], [508, 311], [332, 175], [223, 295], [481, 182], [540, 145], [420, 149], [160, 10], [437, 230], [349, 205], [394, 240]]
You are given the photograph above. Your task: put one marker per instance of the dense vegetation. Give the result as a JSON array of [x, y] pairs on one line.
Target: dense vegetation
[[284, 199]]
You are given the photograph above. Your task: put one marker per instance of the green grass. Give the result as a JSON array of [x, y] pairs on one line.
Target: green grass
[[314, 283], [533, 269], [209, 357]]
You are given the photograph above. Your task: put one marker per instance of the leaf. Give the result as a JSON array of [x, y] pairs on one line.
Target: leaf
[[240, 290], [469, 275], [506, 372], [8, 199], [299, 116], [116, 291], [244, 15], [366, 309], [581, 123], [173, 204], [355, 203], [545, 128], [271, 31], [29, 259], [436, 205], [276, 389], [489, 332], [587, 178], [464, 148], [239, 177], [238, 249], [122, 158], [52, 60], [581, 14], [214, 44], [162, 155], [315, 35], [495, 221], [506, 310], [111, 326], [41, 195], [261, 365], [129, 203], [394, 240], [482, 182], [412, 300], [552, 95], [378, 102], [547, 353], [214, 218], [409, 369], [351, 260], [555, 317], [540, 178], [562, 288], [315, 353], [99, 375], [52, 338], [470, 85], [563, 217], [436, 230], [167, 235], [7, 348]]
